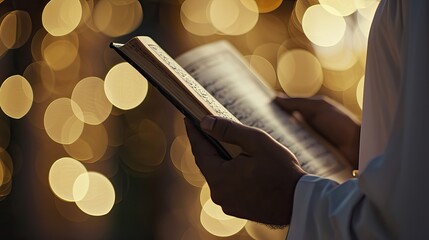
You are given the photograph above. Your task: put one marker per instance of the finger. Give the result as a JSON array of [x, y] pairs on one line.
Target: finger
[[206, 155], [232, 132]]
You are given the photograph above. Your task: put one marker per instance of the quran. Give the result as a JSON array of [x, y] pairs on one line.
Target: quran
[[213, 79]]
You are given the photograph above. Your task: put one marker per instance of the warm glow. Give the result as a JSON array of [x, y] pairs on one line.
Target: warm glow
[[339, 57], [323, 28], [339, 7], [365, 3], [194, 17], [359, 92], [61, 123], [125, 87], [265, 6], [342, 80], [62, 176], [95, 193], [204, 194], [91, 145], [234, 17], [365, 18], [263, 68], [296, 82], [227, 226], [61, 17], [60, 54], [89, 95], [16, 96], [42, 80], [1, 172], [144, 151], [15, 29], [116, 20], [190, 170], [178, 149], [215, 211], [7, 172]]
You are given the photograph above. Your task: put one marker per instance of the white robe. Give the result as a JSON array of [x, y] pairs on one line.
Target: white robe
[[390, 198]]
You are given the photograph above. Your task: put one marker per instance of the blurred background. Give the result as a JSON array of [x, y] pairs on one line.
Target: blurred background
[[90, 150]]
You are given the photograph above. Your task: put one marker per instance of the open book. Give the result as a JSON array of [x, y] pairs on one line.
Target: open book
[[214, 79]]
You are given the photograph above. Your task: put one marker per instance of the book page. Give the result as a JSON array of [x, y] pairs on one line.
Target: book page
[[220, 69]]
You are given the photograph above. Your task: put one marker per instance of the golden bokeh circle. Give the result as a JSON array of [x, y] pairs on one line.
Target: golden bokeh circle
[[15, 29], [95, 193], [323, 28], [263, 68], [116, 20], [145, 151], [91, 144], [223, 226], [61, 123], [339, 7], [16, 96], [194, 17], [293, 80], [42, 79], [60, 54], [360, 91], [125, 87], [89, 95], [62, 176], [234, 17], [265, 6], [60, 17]]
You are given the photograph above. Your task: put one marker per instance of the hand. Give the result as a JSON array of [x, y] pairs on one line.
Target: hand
[[258, 185], [332, 121]]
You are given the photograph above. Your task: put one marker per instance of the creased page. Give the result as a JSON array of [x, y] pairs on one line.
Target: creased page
[[219, 68]]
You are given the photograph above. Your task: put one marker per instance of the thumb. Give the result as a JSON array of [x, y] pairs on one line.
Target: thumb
[[232, 132]]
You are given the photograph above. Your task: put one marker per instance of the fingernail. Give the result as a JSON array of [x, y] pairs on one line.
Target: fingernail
[[207, 123]]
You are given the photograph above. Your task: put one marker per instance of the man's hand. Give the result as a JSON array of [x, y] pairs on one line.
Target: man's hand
[[257, 185], [330, 120]]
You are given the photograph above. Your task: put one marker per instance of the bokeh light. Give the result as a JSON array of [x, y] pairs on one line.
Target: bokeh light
[[61, 17], [15, 29], [7, 172], [95, 193], [321, 27], [91, 144], [365, 17], [16, 96], [144, 151], [263, 68], [359, 92], [265, 6], [295, 82], [204, 194], [61, 123], [117, 19], [60, 52], [42, 80], [218, 223], [125, 87], [195, 18], [365, 3], [62, 176], [234, 17], [339, 7], [89, 95]]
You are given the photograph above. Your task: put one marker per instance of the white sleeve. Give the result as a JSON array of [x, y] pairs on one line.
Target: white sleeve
[[390, 199]]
